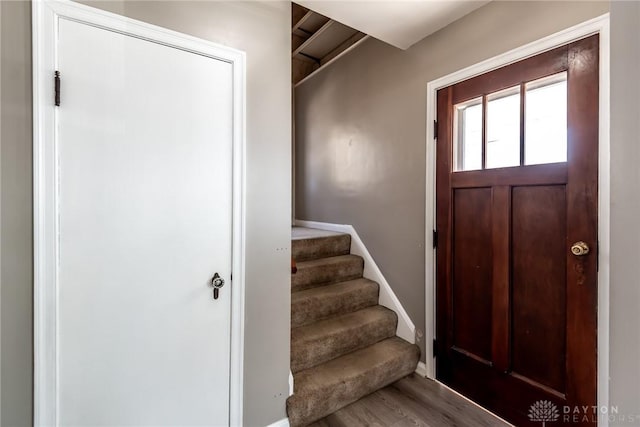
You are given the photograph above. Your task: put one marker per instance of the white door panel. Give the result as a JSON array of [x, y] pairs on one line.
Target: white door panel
[[145, 201]]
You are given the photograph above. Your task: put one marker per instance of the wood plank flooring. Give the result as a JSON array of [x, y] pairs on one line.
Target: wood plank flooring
[[412, 401]]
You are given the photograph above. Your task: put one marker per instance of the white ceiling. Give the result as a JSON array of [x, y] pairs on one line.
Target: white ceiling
[[400, 23]]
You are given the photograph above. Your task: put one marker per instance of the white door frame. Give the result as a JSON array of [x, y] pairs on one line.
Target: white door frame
[[46, 15], [599, 25]]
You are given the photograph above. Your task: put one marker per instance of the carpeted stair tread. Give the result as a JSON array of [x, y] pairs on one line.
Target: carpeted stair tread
[[326, 388], [325, 301], [320, 247], [334, 337], [326, 270]]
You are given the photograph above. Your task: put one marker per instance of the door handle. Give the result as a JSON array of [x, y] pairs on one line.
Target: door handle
[[217, 282], [580, 248]]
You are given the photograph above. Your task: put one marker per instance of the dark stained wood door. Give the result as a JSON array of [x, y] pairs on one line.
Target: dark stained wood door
[[517, 188]]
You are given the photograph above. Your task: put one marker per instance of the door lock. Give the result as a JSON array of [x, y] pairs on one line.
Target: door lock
[[217, 282], [580, 248]]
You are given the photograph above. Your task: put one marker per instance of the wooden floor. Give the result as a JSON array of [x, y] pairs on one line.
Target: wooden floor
[[412, 401]]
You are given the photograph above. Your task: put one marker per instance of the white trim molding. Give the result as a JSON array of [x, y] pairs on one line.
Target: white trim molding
[[0, 223], [45, 17], [280, 423], [405, 329], [291, 382], [598, 25]]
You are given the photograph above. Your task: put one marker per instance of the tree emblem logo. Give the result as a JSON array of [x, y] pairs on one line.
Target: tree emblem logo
[[543, 411]]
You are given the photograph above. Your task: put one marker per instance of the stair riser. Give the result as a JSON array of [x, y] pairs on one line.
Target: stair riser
[[322, 247], [305, 407], [308, 277], [309, 310], [308, 353]]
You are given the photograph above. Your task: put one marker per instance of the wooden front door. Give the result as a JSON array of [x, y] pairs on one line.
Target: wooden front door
[[517, 204]]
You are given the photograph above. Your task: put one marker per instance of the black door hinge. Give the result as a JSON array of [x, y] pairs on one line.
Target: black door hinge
[[56, 82], [435, 348], [435, 129], [435, 239]]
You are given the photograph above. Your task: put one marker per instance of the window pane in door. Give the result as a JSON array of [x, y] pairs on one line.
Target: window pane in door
[[546, 120], [467, 152], [503, 128]]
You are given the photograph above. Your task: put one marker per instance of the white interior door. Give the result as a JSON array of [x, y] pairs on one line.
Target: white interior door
[[144, 154]]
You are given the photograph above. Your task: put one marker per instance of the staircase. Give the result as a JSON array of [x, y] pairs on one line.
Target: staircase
[[343, 344]]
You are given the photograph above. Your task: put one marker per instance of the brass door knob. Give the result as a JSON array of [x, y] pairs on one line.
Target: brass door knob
[[579, 248]]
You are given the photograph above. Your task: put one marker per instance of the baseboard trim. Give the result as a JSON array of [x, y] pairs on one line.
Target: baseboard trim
[[421, 369], [406, 329], [290, 383], [280, 423]]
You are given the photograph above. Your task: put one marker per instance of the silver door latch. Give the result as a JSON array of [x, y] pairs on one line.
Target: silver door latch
[[217, 282]]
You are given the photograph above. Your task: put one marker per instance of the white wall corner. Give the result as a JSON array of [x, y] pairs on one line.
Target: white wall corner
[[405, 329], [422, 369]]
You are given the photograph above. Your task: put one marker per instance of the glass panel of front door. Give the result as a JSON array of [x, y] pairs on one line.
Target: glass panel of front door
[[503, 128], [520, 125], [546, 120], [468, 133]]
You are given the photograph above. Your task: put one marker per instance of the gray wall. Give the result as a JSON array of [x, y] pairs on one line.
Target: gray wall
[[16, 277], [624, 339], [361, 132], [260, 29]]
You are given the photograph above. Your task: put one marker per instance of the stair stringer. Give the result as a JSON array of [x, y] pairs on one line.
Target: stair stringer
[[387, 298]]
